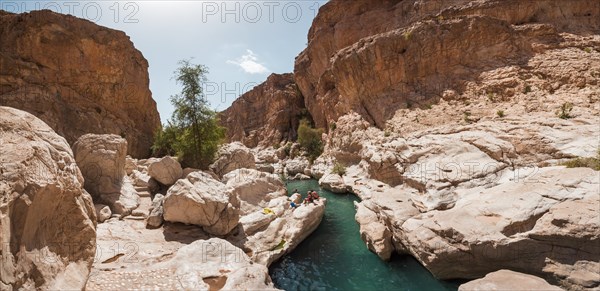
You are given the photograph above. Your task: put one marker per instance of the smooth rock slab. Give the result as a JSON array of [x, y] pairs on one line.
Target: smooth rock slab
[[508, 280], [166, 170], [203, 264], [334, 183], [233, 156], [527, 224], [201, 200]]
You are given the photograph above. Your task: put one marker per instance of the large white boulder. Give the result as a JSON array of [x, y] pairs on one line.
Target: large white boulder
[[233, 156], [270, 226], [216, 264], [296, 166], [254, 188], [166, 170], [267, 155], [101, 158], [155, 217], [334, 183], [201, 200], [47, 219], [373, 232]]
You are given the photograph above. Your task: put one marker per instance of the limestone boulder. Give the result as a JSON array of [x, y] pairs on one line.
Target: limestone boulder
[[253, 188], [233, 156], [373, 232], [43, 207], [140, 179], [381, 216], [279, 230], [334, 183], [124, 201], [267, 155], [508, 280], [187, 171], [267, 220], [522, 223], [101, 158], [267, 168], [296, 166], [300, 176], [166, 170], [321, 166], [201, 200], [102, 212], [216, 264], [155, 217], [130, 165], [255, 221]]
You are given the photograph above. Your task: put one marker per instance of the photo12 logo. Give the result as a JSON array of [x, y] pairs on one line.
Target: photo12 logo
[[226, 91], [116, 11], [259, 11]]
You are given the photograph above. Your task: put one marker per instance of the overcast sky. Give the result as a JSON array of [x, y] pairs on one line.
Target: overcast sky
[[241, 42]]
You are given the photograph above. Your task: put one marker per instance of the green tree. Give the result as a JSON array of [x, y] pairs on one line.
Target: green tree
[[193, 133], [309, 139], [163, 141]]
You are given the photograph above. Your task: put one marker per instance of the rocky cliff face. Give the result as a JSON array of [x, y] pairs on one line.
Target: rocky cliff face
[[376, 58], [47, 219], [266, 115], [454, 120], [76, 76]]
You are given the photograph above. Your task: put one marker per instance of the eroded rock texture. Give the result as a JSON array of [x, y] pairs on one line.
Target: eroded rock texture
[[47, 219], [374, 58], [267, 114], [77, 77]]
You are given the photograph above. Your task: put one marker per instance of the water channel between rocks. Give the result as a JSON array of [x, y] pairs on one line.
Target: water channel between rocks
[[334, 257]]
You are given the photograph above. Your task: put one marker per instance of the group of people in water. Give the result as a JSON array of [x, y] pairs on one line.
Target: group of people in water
[[311, 197]]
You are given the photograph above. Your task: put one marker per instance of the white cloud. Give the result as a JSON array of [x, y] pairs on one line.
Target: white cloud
[[249, 63]]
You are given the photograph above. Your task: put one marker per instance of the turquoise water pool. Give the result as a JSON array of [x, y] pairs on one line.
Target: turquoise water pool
[[335, 258]]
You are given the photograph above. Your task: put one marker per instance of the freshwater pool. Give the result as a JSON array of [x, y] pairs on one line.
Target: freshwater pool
[[335, 258]]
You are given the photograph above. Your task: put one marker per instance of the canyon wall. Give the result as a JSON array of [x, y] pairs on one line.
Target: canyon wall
[[77, 77], [412, 52], [267, 114]]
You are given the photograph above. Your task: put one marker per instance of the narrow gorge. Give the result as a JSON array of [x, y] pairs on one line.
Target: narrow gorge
[[414, 145]]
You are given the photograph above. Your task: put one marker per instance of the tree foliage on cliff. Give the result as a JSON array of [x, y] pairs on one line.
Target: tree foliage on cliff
[[309, 139], [193, 132]]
